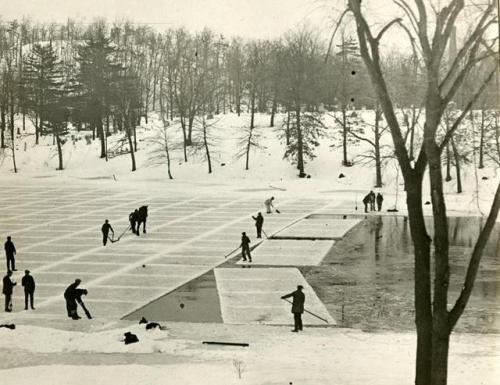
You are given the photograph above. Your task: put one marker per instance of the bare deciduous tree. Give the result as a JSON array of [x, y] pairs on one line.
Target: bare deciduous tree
[[434, 322]]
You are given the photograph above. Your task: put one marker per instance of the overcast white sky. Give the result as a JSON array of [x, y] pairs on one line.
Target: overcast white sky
[[250, 18]]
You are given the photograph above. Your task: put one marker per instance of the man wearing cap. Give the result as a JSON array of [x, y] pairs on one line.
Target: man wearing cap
[[297, 306], [70, 295], [29, 289], [10, 253], [106, 227]]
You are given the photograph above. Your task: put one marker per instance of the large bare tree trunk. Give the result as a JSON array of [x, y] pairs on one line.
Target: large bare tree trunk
[[422, 278]]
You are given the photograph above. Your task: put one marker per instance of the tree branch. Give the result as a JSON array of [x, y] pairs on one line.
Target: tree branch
[[409, 13], [473, 38], [333, 34], [422, 31], [466, 109], [386, 27], [361, 138]]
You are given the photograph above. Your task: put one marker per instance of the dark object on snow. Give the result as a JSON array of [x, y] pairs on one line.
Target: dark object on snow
[[308, 176], [130, 338], [344, 217], [138, 217], [154, 325], [341, 175], [427, 203], [143, 321], [222, 164], [484, 178], [244, 344], [8, 326], [392, 210]]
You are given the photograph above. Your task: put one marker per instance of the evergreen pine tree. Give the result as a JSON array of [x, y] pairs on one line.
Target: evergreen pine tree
[[96, 76]]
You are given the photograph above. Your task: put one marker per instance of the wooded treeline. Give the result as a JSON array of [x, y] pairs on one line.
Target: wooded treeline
[[105, 77]]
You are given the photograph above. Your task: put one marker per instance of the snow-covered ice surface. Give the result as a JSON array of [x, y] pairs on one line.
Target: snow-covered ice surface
[[289, 252], [187, 236], [253, 296]]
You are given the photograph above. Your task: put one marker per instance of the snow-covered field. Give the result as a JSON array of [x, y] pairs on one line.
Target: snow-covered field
[[275, 356], [196, 219]]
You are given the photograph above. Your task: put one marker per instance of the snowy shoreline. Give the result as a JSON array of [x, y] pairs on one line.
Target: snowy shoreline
[[177, 356]]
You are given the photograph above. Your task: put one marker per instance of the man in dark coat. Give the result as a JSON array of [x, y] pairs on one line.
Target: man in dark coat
[[259, 221], [245, 247], [297, 307], [380, 199], [106, 227], [372, 201], [70, 295], [366, 202], [8, 287], [10, 253], [29, 289]]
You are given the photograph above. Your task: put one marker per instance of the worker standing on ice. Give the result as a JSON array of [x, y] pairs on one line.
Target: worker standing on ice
[[259, 221], [106, 227], [8, 288], [28, 282], [366, 201], [297, 307], [372, 201], [245, 247], [380, 199], [10, 254], [269, 204]]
